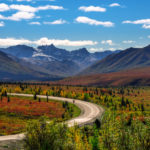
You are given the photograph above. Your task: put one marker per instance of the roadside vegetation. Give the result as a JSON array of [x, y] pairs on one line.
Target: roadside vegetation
[[16, 112], [125, 124]]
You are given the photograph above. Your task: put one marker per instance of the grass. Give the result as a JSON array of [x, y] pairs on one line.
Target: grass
[[76, 110]]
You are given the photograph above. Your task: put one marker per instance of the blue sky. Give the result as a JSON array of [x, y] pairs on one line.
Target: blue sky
[[97, 25]]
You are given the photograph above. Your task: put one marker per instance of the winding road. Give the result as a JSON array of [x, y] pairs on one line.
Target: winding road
[[89, 113]]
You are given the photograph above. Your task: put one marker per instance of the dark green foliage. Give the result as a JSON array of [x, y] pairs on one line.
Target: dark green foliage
[[123, 102], [35, 96], [95, 140], [86, 96], [47, 96], [65, 104], [1, 98], [98, 123], [8, 99], [43, 136], [142, 107]]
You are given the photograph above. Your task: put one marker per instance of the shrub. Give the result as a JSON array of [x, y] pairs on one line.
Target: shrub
[[47, 136]]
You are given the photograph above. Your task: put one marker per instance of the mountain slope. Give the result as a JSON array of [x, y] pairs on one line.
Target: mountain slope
[[128, 59], [81, 57], [19, 51], [133, 77], [13, 70]]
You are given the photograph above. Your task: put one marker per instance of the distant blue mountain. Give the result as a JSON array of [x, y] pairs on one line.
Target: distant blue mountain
[[52, 61]]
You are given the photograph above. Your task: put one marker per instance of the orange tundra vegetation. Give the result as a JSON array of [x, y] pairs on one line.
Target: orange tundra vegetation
[[31, 109]]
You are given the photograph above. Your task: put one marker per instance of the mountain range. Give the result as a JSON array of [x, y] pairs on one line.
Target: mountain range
[[128, 67], [47, 62], [124, 60], [10, 68]]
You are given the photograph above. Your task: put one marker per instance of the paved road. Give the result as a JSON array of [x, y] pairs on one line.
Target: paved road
[[89, 113]]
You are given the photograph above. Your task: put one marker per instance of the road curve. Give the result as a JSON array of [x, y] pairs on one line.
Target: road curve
[[89, 113]]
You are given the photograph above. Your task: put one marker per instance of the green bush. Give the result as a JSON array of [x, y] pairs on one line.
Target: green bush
[[47, 136]]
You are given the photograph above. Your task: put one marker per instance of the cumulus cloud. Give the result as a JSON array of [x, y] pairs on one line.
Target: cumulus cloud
[[24, 8], [35, 23], [86, 20], [48, 7], [60, 21], [28, 8], [92, 50], [112, 49], [66, 42], [19, 16], [128, 42], [145, 26], [4, 7], [107, 42], [144, 22], [96, 50], [45, 41], [114, 5], [13, 41], [2, 24], [25, 11], [23, 0], [92, 9]]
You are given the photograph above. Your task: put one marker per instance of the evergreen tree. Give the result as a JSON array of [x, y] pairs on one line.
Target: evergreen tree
[[1, 97], [35, 96], [8, 99], [47, 96], [123, 102], [142, 107], [86, 96]]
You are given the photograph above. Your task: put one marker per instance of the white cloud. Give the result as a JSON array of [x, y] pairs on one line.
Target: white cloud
[[4, 7], [24, 0], [145, 26], [60, 21], [2, 24], [45, 41], [28, 8], [114, 5], [128, 42], [107, 42], [86, 20], [112, 49], [48, 7], [35, 23], [19, 16], [92, 9], [24, 8], [25, 11], [149, 36], [13, 41], [66, 42], [96, 50], [144, 22]]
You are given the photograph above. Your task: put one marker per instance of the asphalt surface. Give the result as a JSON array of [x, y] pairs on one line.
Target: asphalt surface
[[89, 113]]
